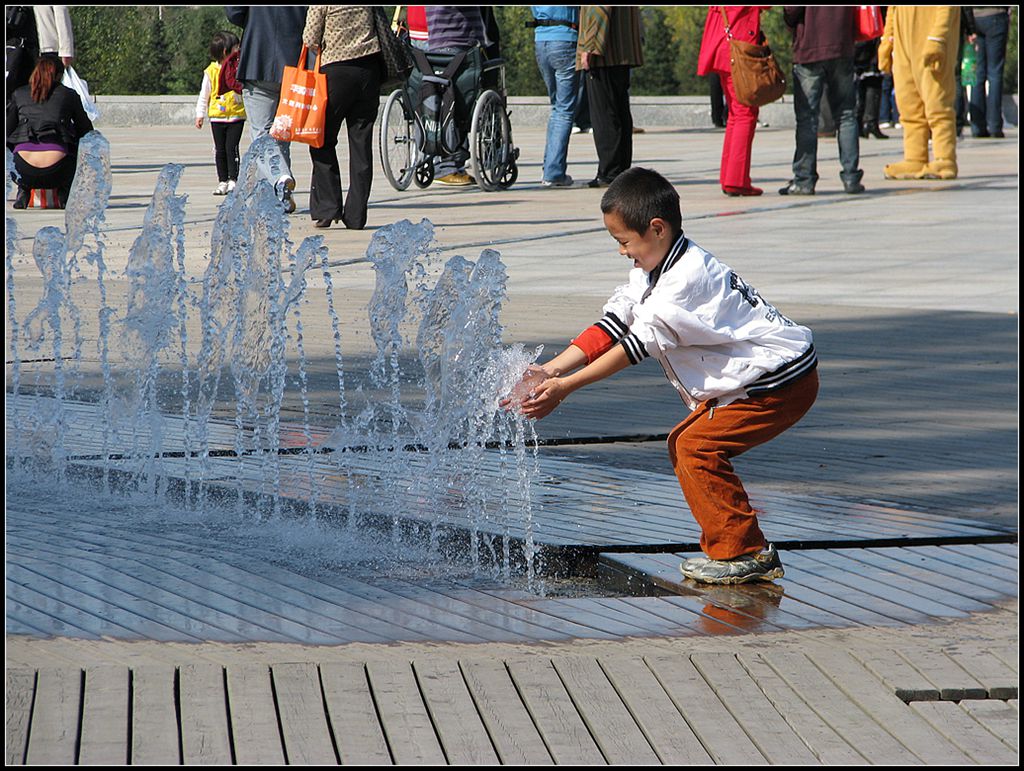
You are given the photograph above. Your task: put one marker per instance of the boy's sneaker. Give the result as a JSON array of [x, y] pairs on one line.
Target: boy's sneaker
[[231, 185], [762, 566], [565, 181], [221, 189]]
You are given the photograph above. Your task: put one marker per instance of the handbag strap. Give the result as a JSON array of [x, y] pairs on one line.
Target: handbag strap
[[304, 57], [725, 20]]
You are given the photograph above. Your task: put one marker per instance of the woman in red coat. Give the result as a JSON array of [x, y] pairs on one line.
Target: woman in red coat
[[745, 25]]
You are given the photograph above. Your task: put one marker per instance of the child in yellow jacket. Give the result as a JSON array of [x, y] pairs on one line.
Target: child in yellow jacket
[[226, 112]]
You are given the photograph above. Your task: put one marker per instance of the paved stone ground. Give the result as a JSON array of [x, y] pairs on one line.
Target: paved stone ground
[[911, 289]]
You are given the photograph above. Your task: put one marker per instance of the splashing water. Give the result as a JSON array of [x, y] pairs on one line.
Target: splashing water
[[193, 422]]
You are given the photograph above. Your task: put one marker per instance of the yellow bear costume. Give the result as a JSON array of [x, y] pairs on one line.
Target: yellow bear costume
[[919, 46]]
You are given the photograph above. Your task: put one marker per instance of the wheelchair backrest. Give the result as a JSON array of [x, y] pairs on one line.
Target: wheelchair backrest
[[442, 90]]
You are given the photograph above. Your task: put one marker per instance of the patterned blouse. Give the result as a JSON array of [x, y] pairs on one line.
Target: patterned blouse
[[341, 32]]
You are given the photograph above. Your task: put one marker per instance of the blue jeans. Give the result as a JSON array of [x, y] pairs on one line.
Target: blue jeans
[[260, 98], [557, 62], [987, 103], [808, 82]]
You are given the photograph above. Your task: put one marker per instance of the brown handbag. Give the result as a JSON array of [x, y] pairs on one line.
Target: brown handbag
[[755, 73]]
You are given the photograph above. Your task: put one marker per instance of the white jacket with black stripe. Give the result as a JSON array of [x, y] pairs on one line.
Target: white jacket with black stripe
[[714, 335]]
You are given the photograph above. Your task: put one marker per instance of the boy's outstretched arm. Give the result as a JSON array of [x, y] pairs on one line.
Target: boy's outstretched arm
[[552, 391]]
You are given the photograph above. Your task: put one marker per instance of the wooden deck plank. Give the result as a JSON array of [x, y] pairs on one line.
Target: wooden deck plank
[[998, 717], [613, 727], [205, 737], [889, 711], [657, 717], [953, 722], [254, 725], [837, 564], [934, 571], [227, 599], [684, 618], [53, 737], [1009, 655], [587, 613], [556, 717], [18, 697], [952, 681], [156, 604], [507, 719], [455, 717], [104, 739], [722, 737], [154, 716], [353, 715], [850, 606], [403, 715], [896, 672], [752, 710], [997, 678], [941, 587], [300, 707], [828, 746], [506, 622], [841, 713], [986, 559], [643, 615]]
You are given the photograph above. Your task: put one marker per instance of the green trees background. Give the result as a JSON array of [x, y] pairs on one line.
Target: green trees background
[[163, 49]]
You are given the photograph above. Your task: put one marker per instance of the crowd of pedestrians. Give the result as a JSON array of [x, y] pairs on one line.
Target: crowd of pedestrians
[[842, 86]]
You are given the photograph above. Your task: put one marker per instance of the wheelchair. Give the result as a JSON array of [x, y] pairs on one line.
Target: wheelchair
[[425, 121]]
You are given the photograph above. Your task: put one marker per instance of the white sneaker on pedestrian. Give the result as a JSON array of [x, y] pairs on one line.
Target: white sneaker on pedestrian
[[283, 189], [231, 185], [565, 181], [221, 189]]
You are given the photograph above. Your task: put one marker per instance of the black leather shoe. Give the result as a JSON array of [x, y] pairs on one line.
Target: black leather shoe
[[877, 133], [322, 223], [599, 182]]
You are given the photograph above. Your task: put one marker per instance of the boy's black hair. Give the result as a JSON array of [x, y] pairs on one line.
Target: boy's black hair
[[639, 195], [222, 44]]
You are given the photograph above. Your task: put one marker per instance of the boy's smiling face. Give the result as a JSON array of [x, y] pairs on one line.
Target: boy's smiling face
[[646, 250]]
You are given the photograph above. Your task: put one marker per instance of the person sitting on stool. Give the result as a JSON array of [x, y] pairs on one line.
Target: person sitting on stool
[[45, 122]]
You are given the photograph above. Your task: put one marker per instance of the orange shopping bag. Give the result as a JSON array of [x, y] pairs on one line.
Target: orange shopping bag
[[302, 111]]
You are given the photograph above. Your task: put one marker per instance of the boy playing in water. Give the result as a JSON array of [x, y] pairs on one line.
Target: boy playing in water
[[746, 371]]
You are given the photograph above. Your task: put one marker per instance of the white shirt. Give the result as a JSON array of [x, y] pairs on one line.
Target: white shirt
[[713, 334]]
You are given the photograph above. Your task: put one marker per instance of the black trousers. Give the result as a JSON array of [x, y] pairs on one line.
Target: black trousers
[[352, 98], [608, 91], [226, 138], [59, 176]]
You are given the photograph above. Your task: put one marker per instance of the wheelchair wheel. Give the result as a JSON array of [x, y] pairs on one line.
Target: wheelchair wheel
[[424, 173], [398, 151], [490, 142], [511, 174]]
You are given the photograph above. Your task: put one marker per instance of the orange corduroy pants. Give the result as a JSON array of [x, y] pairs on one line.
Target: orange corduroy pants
[[701, 449]]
